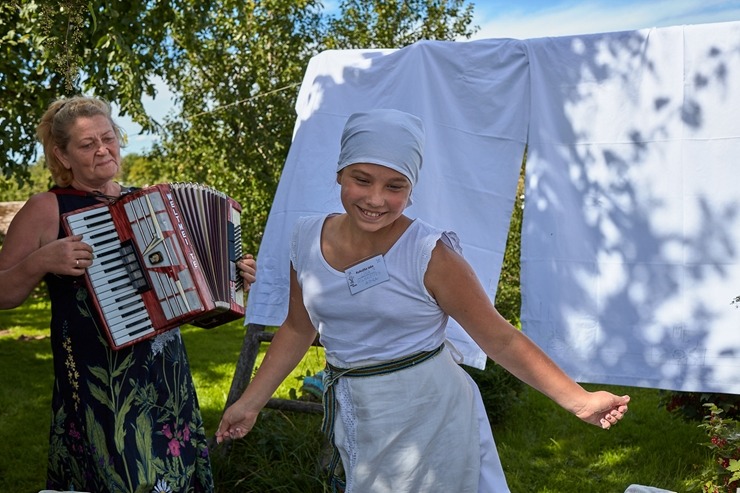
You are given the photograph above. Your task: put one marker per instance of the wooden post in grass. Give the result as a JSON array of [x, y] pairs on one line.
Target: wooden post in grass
[[254, 336]]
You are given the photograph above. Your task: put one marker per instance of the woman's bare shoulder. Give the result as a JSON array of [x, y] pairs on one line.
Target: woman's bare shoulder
[[39, 206], [39, 218]]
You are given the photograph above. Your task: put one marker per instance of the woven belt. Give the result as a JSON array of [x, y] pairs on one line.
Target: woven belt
[[332, 374]]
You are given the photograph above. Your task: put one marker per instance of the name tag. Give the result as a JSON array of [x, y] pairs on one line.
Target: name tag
[[366, 274]]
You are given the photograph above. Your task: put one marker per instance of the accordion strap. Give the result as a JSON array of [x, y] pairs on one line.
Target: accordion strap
[[81, 193]]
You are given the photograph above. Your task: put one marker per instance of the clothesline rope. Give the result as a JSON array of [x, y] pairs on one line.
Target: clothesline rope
[[242, 101]]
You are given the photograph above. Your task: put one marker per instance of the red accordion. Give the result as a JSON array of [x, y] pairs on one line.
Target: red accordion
[[164, 256]]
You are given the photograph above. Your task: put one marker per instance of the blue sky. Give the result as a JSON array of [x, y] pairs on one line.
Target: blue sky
[[523, 19]]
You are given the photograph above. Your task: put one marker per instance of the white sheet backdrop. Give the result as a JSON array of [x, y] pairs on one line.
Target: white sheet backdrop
[[476, 127], [632, 221], [631, 231]]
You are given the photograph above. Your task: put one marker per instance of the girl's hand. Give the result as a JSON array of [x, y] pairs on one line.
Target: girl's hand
[[236, 422], [603, 409]]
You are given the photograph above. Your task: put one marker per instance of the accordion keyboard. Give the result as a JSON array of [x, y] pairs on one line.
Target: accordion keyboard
[[119, 300], [135, 304], [164, 256]]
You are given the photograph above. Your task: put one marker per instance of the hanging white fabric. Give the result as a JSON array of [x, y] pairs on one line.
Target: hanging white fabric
[[472, 98], [630, 248], [630, 236]]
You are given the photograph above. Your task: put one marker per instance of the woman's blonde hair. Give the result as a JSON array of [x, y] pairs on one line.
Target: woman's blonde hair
[[53, 130]]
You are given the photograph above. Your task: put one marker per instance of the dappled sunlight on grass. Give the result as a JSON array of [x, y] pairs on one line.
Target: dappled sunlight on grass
[[617, 457], [28, 320], [26, 379], [543, 449]]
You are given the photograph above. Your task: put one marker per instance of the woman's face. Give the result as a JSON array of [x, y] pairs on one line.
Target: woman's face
[[373, 196], [93, 153]]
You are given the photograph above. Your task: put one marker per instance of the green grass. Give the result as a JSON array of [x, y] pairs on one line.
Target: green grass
[[542, 448], [25, 392], [213, 355]]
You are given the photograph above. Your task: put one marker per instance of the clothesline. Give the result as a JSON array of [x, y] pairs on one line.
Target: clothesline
[[242, 101]]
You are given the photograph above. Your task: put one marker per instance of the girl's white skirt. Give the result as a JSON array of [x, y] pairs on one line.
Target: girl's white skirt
[[421, 429]]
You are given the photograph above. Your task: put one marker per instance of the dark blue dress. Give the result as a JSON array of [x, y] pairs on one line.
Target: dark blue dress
[[125, 420]]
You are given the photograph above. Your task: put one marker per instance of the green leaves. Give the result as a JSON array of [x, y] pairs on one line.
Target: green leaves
[[724, 443], [395, 23], [235, 68]]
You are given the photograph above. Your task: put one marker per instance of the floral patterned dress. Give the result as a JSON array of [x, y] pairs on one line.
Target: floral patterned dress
[[125, 420]]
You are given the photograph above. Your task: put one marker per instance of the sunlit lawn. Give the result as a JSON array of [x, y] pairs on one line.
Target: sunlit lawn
[[542, 448]]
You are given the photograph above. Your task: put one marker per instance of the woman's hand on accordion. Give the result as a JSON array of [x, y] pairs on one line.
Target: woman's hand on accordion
[[247, 266], [68, 256]]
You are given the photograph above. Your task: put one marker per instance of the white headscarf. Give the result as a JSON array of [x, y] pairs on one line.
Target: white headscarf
[[387, 137]]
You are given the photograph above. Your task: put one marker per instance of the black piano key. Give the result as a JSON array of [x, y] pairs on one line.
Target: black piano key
[[119, 317], [131, 324]]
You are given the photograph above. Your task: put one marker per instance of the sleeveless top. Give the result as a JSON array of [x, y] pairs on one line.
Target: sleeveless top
[[392, 319], [125, 420]]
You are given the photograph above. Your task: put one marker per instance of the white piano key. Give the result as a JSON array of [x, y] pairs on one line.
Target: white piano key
[[92, 228], [107, 256], [122, 299], [91, 223], [105, 266], [102, 232], [105, 297], [133, 321], [111, 279], [104, 242], [105, 285], [120, 295], [88, 216]]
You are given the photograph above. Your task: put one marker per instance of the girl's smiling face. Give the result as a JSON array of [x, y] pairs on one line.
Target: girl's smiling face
[[374, 196]]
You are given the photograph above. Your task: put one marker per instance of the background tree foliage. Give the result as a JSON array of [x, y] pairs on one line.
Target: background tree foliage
[[239, 73], [54, 48], [394, 23], [234, 66]]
